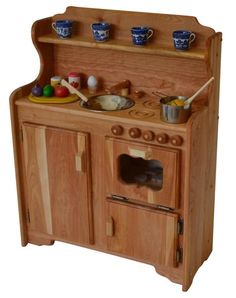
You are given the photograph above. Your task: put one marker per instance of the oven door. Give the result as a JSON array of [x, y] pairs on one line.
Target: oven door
[[142, 233], [144, 173]]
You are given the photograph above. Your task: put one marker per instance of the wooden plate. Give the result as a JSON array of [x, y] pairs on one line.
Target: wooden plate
[[53, 99]]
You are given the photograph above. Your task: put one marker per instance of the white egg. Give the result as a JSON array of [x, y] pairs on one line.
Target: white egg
[[92, 82]]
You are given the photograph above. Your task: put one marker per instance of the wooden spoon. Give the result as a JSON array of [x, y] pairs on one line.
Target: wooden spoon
[[188, 101], [73, 90]]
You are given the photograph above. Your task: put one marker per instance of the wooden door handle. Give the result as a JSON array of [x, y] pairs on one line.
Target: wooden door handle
[[79, 162], [81, 154], [110, 227], [140, 153]]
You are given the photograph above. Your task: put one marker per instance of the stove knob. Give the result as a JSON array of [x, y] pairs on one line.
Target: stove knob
[[117, 130], [148, 135], [176, 140], [162, 138], [135, 132]]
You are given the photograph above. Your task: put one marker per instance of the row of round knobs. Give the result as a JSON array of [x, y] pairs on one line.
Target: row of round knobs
[[148, 135]]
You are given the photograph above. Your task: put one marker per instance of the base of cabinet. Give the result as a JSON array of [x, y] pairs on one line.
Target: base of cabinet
[[174, 274]]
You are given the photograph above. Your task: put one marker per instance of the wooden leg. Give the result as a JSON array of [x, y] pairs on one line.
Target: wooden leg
[[185, 287], [39, 240], [173, 274]]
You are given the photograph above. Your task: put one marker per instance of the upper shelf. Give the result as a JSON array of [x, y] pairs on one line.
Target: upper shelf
[[121, 22], [152, 49]]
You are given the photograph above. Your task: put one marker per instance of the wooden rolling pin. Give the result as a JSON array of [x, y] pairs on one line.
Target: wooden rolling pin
[[72, 90]]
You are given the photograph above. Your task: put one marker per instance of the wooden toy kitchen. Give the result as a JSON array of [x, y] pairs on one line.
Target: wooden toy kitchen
[[121, 180]]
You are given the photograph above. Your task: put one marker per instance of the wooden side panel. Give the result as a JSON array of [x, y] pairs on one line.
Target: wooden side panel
[[144, 234], [168, 195], [68, 184], [38, 196], [215, 58], [200, 196], [194, 212], [45, 51]]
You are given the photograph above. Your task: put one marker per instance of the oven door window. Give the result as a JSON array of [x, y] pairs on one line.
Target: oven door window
[[136, 170], [144, 173]]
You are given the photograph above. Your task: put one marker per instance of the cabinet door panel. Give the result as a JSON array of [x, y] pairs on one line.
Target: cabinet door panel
[[36, 179], [138, 154], [142, 233], [68, 185], [60, 186]]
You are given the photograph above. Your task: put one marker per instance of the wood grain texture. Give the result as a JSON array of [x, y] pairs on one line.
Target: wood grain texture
[[147, 73], [169, 158], [45, 52], [151, 49], [58, 196], [68, 187], [142, 233], [37, 179], [195, 181], [201, 161], [97, 186], [213, 118]]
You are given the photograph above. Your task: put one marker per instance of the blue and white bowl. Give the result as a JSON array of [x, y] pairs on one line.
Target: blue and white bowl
[[101, 31]]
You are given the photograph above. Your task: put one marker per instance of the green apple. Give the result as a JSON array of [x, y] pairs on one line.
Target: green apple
[[48, 91]]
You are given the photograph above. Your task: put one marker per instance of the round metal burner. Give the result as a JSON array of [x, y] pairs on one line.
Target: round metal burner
[[152, 104], [141, 114]]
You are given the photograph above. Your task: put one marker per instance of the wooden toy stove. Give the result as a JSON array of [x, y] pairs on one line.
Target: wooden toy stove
[[122, 182]]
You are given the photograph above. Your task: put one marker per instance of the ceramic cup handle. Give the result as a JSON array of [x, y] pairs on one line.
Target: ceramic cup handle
[[54, 26], [192, 37], [150, 33]]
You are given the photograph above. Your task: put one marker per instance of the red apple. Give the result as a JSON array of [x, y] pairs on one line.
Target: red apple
[[61, 91]]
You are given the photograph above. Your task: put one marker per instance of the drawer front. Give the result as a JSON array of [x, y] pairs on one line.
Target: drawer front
[[144, 173], [142, 233]]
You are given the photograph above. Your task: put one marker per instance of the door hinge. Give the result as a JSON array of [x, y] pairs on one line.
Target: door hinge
[[21, 135], [28, 216], [119, 198], [180, 226], [179, 255], [164, 208]]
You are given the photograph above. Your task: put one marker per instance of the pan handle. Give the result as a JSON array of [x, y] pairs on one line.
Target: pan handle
[[159, 94]]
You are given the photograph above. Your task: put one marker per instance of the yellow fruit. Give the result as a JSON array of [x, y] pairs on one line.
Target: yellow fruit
[[176, 102]]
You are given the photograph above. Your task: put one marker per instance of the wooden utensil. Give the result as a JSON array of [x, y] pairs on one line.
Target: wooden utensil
[[190, 99], [73, 90]]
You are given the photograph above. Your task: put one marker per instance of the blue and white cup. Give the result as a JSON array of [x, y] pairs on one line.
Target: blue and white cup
[[63, 28], [101, 31], [183, 39], [140, 35]]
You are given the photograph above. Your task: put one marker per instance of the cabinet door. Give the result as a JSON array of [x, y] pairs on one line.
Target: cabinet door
[[57, 182], [142, 233], [142, 172]]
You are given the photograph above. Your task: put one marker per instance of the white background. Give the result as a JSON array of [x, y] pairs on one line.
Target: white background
[[65, 270]]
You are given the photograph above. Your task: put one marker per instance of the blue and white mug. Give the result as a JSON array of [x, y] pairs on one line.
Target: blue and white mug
[[140, 35], [63, 28], [183, 39], [101, 31]]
